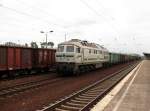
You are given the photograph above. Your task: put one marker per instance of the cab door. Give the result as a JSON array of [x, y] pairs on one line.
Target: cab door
[[85, 55], [78, 54]]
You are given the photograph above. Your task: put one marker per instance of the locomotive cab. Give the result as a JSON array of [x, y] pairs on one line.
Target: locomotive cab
[[68, 53], [67, 57]]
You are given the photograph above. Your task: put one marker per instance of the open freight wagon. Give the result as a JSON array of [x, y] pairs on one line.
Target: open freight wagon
[[116, 58], [43, 59], [19, 60]]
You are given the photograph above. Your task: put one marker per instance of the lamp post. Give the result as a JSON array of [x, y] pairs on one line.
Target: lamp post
[[46, 33]]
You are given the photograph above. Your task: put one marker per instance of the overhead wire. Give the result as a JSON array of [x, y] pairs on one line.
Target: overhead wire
[[19, 12], [105, 18], [101, 5], [41, 10], [98, 14], [16, 11], [29, 15], [111, 17]]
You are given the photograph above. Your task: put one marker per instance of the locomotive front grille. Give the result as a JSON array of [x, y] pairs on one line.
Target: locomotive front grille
[[65, 67]]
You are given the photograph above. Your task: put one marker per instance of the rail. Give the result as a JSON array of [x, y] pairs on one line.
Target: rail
[[84, 99]]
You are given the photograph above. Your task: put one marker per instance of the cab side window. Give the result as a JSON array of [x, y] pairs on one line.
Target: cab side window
[[90, 51], [78, 49]]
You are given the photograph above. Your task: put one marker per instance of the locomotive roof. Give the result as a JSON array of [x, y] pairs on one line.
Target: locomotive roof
[[84, 44]]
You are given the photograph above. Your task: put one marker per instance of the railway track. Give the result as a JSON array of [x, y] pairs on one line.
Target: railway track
[[84, 99], [10, 91], [18, 76], [19, 88]]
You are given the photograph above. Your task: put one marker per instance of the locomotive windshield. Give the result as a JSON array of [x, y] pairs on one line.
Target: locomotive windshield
[[70, 48], [60, 48]]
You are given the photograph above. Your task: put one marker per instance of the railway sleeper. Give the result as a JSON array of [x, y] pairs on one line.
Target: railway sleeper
[[75, 104], [4, 91], [98, 89], [95, 91], [86, 97], [8, 92], [70, 107], [81, 99], [59, 109], [81, 102], [91, 95], [16, 88]]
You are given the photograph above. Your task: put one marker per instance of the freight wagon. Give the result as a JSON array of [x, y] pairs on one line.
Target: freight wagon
[[116, 58], [23, 60], [43, 59]]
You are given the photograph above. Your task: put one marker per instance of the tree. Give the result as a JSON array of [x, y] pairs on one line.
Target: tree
[[34, 45], [50, 44]]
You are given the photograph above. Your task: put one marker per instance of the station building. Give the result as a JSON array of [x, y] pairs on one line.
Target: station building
[[147, 56]]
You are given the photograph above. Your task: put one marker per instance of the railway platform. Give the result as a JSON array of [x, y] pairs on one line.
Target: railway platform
[[131, 94]]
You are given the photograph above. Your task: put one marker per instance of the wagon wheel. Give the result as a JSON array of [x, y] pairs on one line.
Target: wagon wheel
[[11, 74], [76, 71]]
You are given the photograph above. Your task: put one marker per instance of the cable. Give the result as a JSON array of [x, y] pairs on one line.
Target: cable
[[93, 10], [22, 13], [100, 4], [111, 17], [35, 7], [29, 15]]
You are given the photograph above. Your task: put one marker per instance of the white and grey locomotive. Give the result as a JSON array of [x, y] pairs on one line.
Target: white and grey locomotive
[[77, 55]]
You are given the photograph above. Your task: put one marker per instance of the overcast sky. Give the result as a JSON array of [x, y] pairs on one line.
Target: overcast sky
[[119, 25]]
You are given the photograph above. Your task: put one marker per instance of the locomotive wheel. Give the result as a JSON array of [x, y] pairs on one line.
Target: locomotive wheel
[[76, 71], [1, 75]]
